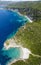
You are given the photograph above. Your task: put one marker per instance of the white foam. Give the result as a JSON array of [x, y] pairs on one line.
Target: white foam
[[29, 19], [26, 17], [23, 15]]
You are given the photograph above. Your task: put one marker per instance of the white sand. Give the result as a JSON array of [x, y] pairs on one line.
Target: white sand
[[11, 44], [25, 54]]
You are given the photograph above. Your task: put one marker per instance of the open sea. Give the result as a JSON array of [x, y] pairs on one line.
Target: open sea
[[10, 22]]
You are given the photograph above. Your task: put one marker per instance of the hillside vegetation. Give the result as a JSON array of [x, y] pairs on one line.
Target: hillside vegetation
[[29, 36]]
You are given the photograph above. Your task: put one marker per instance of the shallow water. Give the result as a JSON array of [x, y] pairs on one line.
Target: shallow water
[[9, 24], [13, 53]]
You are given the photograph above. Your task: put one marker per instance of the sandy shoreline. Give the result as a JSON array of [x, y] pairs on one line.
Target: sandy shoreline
[[24, 51]]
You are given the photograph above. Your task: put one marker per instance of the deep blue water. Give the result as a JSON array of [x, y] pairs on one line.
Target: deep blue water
[[9, 24]]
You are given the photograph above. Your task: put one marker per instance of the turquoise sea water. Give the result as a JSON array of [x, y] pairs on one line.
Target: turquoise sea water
[[13, 53], [10, 22]]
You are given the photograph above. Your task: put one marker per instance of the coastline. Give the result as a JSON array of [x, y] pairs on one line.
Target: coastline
[[24, 51]]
